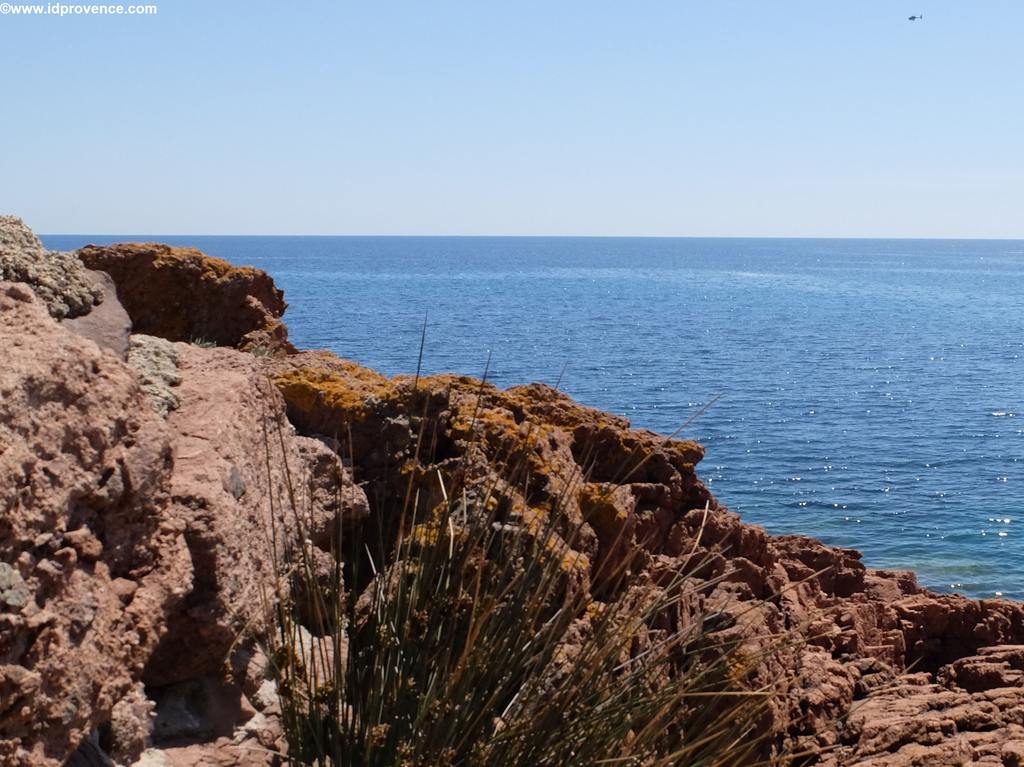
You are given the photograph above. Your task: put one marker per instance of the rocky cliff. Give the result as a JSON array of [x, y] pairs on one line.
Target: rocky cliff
[[145, 481]]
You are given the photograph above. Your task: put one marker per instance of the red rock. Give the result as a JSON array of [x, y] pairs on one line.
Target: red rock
[[992, 668], [182, 294], [638, 493], [928, 724], [106, 496], [107, 323], [233, 453], [85, 472], [1012, 753]]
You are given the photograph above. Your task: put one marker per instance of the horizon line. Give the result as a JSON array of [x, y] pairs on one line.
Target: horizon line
[[552, 236]]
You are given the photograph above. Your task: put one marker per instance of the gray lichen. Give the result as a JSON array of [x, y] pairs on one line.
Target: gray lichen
[[155, 361], [14, 593], [59, 280]]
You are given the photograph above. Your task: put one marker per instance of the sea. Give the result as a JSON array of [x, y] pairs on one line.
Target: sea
[[869, 393]]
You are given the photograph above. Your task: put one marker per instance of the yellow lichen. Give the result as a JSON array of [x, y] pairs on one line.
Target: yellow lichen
[[345, 393]]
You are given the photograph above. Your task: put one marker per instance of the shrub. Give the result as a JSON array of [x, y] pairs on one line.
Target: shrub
[[475, 642]]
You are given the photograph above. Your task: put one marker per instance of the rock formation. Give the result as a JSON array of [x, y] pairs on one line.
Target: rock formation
[[233, 453], [93, 558], [146, 501], [107, 323], [59, 280], [970, 713], [183, 295], [861, 631], [138, 500]]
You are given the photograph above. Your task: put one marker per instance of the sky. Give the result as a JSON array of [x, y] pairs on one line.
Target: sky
[[723, 117]]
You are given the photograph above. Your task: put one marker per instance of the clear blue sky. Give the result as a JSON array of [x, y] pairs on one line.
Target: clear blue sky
[[809, 117]]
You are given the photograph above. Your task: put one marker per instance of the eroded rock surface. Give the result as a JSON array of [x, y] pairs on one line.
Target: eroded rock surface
[[94, 558], [237, 460], [619, 490], [59, 280], [136, 545], [970, 713], [182, 294]]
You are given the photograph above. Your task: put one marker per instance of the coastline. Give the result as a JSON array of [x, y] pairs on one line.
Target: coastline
[[926, 480], [886, 673]]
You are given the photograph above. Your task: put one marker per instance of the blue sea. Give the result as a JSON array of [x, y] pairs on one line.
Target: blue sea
[[866, 392]]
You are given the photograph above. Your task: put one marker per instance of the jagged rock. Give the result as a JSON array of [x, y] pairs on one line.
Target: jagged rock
[[234, 451], [332, 502], [182, 294], [59, 280], [155, 361], [94, 559], [559, 445], [108, 509], [632, 496], [107, 323], [916, 721], [85, 301], [992, 667]]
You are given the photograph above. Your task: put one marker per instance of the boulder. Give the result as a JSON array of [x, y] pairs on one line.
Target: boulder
[[59, 280], [85, 301], [94, 557], [181, 294], [107, 323]]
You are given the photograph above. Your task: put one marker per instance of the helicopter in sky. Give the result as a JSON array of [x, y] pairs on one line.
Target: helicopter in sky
[[919, 17]]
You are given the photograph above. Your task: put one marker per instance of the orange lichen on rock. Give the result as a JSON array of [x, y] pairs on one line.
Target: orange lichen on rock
[[625, 511], [182, 294], [135, 545], [330, 397], [544, 450]]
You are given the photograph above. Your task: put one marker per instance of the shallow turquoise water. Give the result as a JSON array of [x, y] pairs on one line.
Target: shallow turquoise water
[[871, 391]]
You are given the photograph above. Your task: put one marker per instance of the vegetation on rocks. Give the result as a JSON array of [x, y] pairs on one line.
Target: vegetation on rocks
[[472, 643], [452, 573]]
